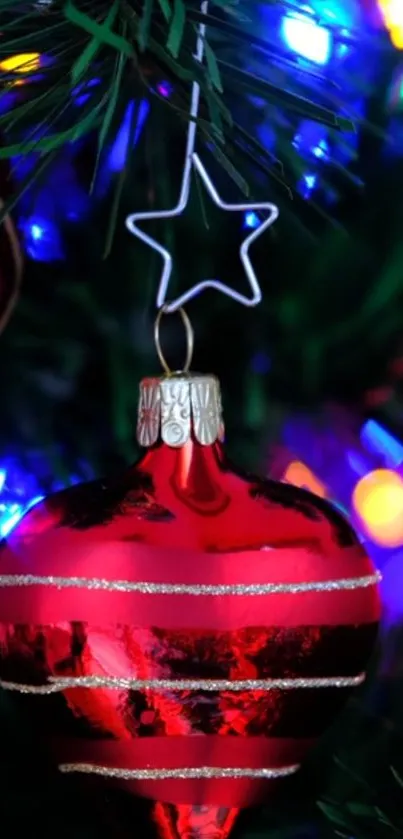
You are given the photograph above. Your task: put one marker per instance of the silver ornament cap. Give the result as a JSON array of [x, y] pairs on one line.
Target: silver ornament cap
[[181, 405], [178, 408]]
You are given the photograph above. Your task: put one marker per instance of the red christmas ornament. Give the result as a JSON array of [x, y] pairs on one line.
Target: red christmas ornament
[[185, 630]]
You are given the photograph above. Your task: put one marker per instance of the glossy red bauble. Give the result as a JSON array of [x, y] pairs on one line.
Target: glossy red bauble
[[185, 629]]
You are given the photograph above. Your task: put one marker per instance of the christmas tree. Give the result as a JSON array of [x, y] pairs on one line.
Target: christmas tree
[[299, 106]]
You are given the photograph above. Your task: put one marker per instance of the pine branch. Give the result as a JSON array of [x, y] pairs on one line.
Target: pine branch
[[127, 45]]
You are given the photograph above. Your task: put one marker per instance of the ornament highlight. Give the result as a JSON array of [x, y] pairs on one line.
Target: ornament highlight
[[184, 630]]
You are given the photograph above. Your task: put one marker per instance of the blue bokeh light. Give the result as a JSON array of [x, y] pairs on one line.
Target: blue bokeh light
[[251, 220], [19, 491], [307, 184], [21, 488], [47, 206], [306, 37], [311, 140], [118, 155], [378, 441], [83, 92], [49, 209], [11, 514], [42, 239]]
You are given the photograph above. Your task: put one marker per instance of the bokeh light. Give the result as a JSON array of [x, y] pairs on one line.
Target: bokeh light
[[24, 63], [378, 503], [300, 475], [42, 239], [307, 38], [392, 13]]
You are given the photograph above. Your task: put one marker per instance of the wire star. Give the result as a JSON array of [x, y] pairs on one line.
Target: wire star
[[193, 163]]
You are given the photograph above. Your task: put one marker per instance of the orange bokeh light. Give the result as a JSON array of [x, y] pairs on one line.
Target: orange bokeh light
[[378, 502], [301, 476]]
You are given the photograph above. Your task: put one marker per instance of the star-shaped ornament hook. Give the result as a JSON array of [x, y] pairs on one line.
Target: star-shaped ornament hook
[[193, 163]]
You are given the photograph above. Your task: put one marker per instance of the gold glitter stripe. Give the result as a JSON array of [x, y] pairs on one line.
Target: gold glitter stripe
[[347, 584], [59, 684], [180, 774]]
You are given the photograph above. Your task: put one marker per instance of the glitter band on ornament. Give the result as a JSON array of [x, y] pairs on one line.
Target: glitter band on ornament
[[237, 589], [57, 685], [177, 774]]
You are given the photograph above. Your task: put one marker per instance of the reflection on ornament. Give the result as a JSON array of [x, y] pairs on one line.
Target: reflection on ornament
[[20, 488], [378, 502]]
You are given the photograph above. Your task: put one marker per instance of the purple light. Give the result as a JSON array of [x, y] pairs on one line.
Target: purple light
[[164, 89]]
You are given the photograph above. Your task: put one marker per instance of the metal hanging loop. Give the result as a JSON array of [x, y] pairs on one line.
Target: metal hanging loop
[[164, 310]]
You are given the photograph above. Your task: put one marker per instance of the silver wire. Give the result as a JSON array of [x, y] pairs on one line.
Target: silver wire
[[192, 162]]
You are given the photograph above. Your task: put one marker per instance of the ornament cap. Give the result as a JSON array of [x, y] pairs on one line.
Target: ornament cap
[[180, 407]]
